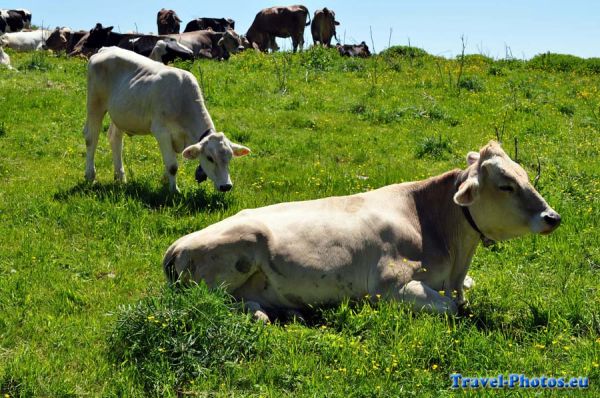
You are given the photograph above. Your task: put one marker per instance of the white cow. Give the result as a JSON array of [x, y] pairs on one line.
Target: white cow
[[25, 41], [405, 241], [141, 97], [4, 59]]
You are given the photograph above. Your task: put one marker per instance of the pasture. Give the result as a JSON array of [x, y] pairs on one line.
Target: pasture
[[84, 307]]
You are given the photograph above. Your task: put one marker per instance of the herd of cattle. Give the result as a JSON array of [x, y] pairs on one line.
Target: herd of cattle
[[213, 38], [410, 242]]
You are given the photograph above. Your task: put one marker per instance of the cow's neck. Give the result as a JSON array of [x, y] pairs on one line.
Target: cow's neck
[[444, 225]]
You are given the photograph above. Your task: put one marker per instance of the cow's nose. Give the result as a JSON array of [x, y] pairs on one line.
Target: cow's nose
[[552, 218], [225, 187]]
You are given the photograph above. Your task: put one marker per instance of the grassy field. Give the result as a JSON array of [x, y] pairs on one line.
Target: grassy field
[[84, 307]]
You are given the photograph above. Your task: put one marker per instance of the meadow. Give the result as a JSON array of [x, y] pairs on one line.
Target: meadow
[[84, 306]]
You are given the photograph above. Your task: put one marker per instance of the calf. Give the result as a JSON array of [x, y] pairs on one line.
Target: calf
[[354, 50], [167, 21], [216, 24], [25, 41], [411, 242], [141, 97], [323, 27], [278, 22]]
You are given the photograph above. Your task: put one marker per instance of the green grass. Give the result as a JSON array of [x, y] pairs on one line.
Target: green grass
[[81, 284]]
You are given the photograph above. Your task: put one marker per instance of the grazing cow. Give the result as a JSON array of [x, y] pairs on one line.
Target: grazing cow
[[25, 41], [354, 50], [4, 59], [14, 20], [323, 27], [142, 96], [168, 22], [216, 24], [168, 49], [411, 242], [278, 22]]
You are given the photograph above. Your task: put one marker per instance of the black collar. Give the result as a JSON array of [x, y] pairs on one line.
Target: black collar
[[484, 239], [205, 134]]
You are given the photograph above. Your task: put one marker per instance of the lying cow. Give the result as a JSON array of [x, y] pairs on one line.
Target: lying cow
[[169, 49], [278, 22], [407, 242], [323, 27], [167, 21], [58, 40], [354, 50], [216, 24], [25, 41], [141, 97], [209, 44]]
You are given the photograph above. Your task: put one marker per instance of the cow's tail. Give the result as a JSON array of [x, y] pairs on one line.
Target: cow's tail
[[169, 265], [307, 14]]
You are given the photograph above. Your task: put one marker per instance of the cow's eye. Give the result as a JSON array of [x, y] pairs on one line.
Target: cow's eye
[[506, 188], [210, 159]]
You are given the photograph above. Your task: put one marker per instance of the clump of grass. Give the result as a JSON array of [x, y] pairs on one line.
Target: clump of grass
[[404, 52], [319, 58], [567, 109], [2, 129], [435, 148], [181, 334], [471, 83], [564, 63], [38, 61]]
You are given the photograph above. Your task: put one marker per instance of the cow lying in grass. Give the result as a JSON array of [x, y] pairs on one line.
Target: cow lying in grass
[[141, 97], [406, 242]]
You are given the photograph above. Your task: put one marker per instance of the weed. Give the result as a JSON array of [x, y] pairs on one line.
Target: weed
[[38, 61], [434, 148], [180, 334], [472, 83]]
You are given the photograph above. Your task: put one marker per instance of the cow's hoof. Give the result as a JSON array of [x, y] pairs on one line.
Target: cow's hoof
[[200, 175]]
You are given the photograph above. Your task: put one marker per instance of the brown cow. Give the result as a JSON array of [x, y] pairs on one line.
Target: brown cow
[[167, 22], [323, 27], [411, 242], [278, 22]]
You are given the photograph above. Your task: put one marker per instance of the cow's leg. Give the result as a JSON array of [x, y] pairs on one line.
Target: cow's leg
[[91, 133], [424, 298], [257, 311], [115, 136], [168, 154]]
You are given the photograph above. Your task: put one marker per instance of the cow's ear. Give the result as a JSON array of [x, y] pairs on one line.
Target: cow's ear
[[193, 151], [109, 29], [472, 158], [336, 23], [239, 150], [467, 192]]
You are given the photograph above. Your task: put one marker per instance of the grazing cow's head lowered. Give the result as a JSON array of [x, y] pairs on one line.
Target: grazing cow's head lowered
[[500, 198], [215, 152]]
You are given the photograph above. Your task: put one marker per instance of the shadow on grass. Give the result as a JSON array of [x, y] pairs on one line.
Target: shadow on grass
[[190, 202]]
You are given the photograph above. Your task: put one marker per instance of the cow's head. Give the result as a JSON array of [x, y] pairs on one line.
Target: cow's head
[[231, 41], [58, 39], [98, 36], [364, 50], [500, 198], [215, 151]]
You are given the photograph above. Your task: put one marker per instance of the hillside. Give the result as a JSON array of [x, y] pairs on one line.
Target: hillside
[[84, 307]]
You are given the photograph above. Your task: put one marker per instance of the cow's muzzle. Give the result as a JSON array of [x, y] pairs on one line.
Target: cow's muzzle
[[552, 220]]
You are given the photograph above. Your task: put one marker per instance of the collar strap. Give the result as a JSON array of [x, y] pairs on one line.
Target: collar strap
[[205, 134], [484, 239]]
